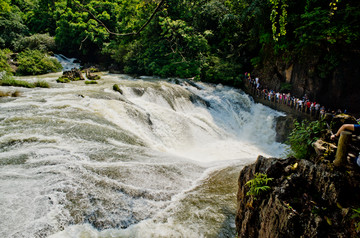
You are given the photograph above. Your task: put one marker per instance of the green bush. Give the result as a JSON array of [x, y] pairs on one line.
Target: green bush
[[303, 135], [4, 65], [42, 42], [34, 62], [215, 70], [12, 28]]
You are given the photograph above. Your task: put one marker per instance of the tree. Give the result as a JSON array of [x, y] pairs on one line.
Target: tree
[[11, 28]]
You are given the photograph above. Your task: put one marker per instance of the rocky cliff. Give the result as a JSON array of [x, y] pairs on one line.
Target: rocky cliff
[[305, 200], [335, 86]]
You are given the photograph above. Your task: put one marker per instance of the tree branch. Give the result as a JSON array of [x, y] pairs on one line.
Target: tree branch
[[124, 34]]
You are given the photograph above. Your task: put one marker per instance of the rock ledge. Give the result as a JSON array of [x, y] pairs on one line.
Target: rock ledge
[[311, 200]]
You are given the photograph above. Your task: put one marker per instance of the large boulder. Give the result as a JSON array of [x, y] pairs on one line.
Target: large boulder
[[305, 200]]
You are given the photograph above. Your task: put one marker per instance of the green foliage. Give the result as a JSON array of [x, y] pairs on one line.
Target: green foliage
[[303, 135], [278, 19], [91, 82], [258, 185], [11, 29], [314, 27], [40, 16], [4, 75], [356, 215], [328, 64], [42, 42], [41, 84], [63, 80], [215, 69], [5, 6], [256, 61], [177, 44], [4, 65], [285, 87], [210, 40], [34, 62], [9, 81]]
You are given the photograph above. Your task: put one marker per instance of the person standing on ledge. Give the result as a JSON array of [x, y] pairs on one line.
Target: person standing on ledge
[[350, 127]]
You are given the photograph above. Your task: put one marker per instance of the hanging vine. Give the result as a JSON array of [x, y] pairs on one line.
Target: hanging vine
[[333, 6], [278, 17]]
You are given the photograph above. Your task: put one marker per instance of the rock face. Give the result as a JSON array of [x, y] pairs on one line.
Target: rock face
[[305, 200], [284, 126], [338, 88]]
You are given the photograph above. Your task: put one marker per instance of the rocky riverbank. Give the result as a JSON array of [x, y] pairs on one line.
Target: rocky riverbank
[[305, 199]]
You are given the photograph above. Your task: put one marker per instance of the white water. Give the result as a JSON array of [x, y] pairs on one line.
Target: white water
[[82, 160]]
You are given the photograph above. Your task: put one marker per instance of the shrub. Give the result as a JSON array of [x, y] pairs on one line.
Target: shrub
[[11, 27], [215, 69], [4, 65], [303, 135], [42, 42], [33, 62]]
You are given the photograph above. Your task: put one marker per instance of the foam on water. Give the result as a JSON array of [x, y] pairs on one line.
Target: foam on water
[[159, 160], [67, 63]]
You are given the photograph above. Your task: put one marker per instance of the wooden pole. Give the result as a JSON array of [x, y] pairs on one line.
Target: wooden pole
[[341, 152]]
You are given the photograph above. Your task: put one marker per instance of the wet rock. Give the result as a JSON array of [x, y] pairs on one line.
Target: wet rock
[[89, 73], [138, 91], [305, 200], [117, 88], [322, 147], [340, 119], [71, 75]]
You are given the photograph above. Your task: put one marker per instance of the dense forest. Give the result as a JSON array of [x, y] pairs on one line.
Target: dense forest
[[211, 40]]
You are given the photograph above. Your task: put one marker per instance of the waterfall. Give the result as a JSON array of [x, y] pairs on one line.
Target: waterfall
[[67, 63], [160, 160]]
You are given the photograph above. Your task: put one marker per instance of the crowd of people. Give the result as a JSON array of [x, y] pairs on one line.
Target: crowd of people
[[303, 104]]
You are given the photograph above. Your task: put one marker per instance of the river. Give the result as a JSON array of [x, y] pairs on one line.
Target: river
[[160, 160]]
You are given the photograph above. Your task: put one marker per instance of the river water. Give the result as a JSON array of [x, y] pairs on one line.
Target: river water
[[160, 160]]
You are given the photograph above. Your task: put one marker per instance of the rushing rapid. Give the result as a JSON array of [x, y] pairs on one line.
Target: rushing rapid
[[159, 160]]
